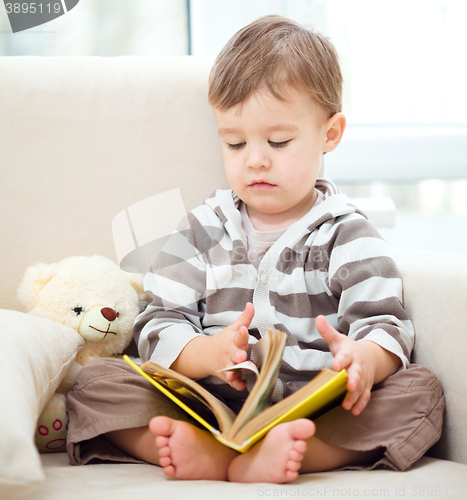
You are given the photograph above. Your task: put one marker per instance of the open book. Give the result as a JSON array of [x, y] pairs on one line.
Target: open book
[[257, 416]]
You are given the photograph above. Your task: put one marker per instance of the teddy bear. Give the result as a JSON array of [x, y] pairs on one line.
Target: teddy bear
[[96, 298]]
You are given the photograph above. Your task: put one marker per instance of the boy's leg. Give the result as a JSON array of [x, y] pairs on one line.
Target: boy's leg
[[138, 442], [282, 455], [110, 407], [183, 450], [187, 452], [402, 420], [108, 397]]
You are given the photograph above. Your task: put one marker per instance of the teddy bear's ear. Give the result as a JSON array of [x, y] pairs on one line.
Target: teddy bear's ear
[[33, 281], [136, 281]]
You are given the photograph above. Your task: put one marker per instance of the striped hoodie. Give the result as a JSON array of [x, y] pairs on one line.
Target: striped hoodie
[[331, 262]]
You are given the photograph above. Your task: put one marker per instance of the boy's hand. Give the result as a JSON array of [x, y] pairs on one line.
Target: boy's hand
[[205, 355], [366, 363], [231, 346]]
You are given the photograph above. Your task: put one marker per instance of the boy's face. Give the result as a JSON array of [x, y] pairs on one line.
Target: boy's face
[[272, 154]]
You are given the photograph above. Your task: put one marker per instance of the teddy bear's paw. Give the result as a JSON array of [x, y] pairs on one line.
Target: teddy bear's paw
[[51, 430]]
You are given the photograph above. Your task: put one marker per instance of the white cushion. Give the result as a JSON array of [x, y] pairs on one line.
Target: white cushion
[[35, 354]]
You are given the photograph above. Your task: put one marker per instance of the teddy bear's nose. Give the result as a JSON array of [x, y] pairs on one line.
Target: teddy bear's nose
[[108, 313]]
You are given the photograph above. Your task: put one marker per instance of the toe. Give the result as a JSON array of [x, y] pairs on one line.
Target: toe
[[162, 441], [162, 426], [164, 451], [293, 465], [169, 471], [165, 461], [300, 447], [295, 455], [302, 429], [290, 476]]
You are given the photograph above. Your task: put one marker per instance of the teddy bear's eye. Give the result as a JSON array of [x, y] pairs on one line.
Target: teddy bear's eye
[[78, 310]]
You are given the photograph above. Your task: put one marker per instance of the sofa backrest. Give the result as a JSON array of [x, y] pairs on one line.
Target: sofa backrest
[[83, 138]]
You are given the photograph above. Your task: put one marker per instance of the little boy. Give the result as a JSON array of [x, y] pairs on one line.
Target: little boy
[[293, 254]]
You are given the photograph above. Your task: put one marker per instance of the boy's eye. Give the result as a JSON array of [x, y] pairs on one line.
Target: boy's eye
[[236, 146], [273, 144], [279, 144]]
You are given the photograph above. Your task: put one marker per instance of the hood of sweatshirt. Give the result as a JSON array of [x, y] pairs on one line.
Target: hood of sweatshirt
[[225, 203]]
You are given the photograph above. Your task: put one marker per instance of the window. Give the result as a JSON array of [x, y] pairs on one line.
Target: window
[[404, 79], [104, 28]]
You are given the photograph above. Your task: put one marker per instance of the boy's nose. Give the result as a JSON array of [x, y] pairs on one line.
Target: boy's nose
[[258, 158]]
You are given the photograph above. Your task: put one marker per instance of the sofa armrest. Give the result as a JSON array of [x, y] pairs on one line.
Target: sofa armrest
[[435, 295]]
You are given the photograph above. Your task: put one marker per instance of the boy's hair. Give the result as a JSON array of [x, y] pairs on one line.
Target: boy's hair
[[277, 54]]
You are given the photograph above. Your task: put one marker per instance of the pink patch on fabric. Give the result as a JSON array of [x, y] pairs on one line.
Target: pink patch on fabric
[[57, 425], [43, 431], [55, 444]]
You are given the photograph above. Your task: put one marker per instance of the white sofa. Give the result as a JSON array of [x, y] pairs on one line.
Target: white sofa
[[81, 139]]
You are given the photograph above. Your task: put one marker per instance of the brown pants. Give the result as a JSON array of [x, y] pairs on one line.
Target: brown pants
[[403, 417]]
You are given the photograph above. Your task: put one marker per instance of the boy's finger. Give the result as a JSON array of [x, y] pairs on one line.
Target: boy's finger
[[329, 334], [245, 318], [239, 385], [341, 360], [361, 403], [235, 380], [239, 356], [355, 381], [350, 399], [230, 376], [241, 338]]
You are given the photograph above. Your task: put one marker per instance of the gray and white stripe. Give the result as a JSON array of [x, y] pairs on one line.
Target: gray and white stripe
[[331, 262]]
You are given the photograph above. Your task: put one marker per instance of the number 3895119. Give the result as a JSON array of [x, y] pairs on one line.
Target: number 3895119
[[33, 8]]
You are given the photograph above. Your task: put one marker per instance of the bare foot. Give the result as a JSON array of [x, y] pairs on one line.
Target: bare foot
[[275, 459], [186, 452]]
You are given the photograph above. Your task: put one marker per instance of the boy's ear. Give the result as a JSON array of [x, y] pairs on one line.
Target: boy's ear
[[335, 127]]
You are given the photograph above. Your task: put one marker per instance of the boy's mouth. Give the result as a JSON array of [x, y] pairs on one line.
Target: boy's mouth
[[261, 185]]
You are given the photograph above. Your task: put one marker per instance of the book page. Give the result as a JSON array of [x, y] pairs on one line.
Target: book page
[[187, 387], [269, 352], [247, 366]]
